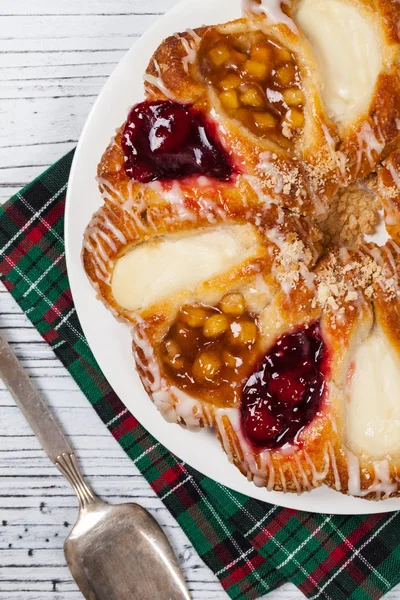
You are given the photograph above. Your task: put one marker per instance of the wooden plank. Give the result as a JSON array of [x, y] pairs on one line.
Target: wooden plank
[[79, 8]]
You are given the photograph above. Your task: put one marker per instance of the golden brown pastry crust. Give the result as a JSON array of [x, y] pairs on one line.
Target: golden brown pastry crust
[[347, 303], [389, 192], [362, 292], [292, 183], [327, 156], [345, 290]]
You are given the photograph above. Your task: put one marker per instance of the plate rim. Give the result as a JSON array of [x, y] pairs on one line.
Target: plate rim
[[344, 504]]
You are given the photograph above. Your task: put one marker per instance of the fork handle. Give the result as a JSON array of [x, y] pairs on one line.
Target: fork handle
[[32, 404], [42, 422]]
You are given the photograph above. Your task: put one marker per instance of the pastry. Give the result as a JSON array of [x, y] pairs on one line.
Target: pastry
[[389, 193], [235, 239], [330, 372]]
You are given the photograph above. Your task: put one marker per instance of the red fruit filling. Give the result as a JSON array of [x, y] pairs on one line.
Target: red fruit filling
[[166, 140], [284, 394]]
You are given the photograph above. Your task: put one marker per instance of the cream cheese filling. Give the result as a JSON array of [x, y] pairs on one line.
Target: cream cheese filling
[[156, 270], [373, 395], [348, 51]]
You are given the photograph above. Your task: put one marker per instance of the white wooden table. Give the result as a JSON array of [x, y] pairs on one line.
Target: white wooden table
[[54, 57]]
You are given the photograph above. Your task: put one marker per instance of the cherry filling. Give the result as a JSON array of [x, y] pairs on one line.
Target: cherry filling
[[167, 140], [284, 394]]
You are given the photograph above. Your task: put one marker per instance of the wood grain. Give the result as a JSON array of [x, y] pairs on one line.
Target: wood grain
[[54, 58]]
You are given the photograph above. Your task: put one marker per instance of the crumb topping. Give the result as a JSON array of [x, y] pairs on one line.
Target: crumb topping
[[257, 81], [354, 212], [292, 263], [346, 278], [350, 271], [282, 178]]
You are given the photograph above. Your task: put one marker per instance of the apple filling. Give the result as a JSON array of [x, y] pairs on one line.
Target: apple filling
[[209, 351], [257, 81]]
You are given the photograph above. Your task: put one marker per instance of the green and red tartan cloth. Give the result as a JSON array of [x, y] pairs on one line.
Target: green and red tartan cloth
[[251, 546]]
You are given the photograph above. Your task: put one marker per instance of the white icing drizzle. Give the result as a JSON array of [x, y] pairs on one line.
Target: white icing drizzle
[[109, 192], [395, 247], [100, 249], [376, 253], [353, 468], [233, 415], [295, 480], [383, 480], [276, 237], [132, 205], [176, 198], [110, 225], [338, 156], [194, 35], [271, 477], [301, 260], [338, 485], [272, 9], [391, 248], [100, 269], [192, 412], [258, 295], [115, 196], [382, 484], [389, 254], [308, 276], [306, 484], [394, 173], [283, 479], [94, 247], [158, 82], [209, 208], [386, 284], [262, 470], [104, 229], [281, 215], [262, 286], [367, 143], [264, 199], [333, 423], [391, 212], [151, 215], [260, 466], [191, 51], [391, 208], [318, 476], [100, 275], [108, 240], [149, 365], [175, 405], [266, 165]]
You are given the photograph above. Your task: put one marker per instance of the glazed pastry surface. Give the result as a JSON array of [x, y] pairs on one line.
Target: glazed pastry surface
[[237, 240]]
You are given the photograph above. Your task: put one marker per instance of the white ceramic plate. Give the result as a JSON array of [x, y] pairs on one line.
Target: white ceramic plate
[[109, 340]]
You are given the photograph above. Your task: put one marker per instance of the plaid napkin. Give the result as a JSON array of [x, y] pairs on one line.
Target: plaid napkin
[[251, 546]]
